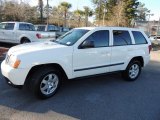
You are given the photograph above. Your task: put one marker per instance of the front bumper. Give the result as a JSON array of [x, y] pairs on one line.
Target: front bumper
[[15, 76], [11, 84]]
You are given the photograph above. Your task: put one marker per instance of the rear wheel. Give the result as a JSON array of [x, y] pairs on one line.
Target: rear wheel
[[133, 71], [25, 40], [45, 82]]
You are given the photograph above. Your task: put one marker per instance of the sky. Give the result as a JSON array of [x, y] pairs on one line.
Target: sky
[[153, 5]]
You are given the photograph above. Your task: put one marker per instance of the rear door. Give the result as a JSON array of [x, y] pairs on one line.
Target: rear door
[[122, 43]]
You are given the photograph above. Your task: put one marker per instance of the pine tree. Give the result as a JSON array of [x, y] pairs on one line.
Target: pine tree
[[130, 8]]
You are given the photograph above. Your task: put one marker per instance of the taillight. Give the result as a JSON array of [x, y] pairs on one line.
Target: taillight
[[39, 35], [150, 48]]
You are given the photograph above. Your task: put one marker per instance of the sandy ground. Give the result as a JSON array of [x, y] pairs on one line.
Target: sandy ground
[[155, 56]]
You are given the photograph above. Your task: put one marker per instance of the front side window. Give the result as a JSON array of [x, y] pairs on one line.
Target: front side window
[[139, 38], [121, 38], [99, 39], [71, 37]]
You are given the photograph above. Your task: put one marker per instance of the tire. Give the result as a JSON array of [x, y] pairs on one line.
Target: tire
[[132, 71], [25, 40], [45, 82]]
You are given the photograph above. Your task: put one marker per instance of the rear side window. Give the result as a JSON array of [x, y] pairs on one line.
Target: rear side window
[[10, 26], [31, 27], [22, 27], [121, 38], [139, 38], [100, 38], [27, 27], [7, 26]]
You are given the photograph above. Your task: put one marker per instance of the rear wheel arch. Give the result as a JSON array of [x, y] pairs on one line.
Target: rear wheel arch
[[24, 39], [138, 58]]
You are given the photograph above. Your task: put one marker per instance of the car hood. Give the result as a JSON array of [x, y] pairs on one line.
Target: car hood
[[33, 47]]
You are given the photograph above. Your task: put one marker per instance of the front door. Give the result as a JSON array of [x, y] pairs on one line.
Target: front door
[[93, 55]]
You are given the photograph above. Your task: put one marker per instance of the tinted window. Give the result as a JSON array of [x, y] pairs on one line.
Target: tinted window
[[51, 28], [22, 27], [31, 27], [121, 38], [41, 28], [99, 38], [27, 27], [139, 38], [7, 26]]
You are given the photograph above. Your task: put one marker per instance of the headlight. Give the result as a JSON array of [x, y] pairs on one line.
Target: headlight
[[13, 61]]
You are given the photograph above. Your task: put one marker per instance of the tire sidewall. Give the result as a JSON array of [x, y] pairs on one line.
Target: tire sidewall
[[128, 68], [37, 83], [26, 40]]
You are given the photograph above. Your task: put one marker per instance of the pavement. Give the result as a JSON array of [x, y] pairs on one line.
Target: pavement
[[98, 98]]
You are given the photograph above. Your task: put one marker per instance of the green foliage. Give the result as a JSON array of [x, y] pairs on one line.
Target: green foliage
[[12, 11], [130, 10], [65, 6], [141, 12]]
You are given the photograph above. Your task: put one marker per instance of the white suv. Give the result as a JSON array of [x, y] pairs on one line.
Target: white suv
[[80, 52]]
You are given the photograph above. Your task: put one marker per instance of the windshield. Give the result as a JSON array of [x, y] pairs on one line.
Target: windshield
[[71, 37]]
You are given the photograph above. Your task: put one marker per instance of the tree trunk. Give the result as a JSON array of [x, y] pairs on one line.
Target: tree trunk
[[65, 18], [86, 20]]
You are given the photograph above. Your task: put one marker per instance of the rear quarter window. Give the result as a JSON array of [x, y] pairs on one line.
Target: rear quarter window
[[139, 37]]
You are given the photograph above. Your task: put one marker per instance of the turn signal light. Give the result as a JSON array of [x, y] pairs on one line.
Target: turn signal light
[[16, 64]]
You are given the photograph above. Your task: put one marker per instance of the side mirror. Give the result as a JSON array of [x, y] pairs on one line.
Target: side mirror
[[87, 44]]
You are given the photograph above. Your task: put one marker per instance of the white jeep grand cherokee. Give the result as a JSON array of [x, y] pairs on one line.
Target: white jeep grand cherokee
[[80, 52]]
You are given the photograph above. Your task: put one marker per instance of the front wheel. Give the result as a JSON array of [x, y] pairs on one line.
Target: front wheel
[[45, 82], [133, 71]]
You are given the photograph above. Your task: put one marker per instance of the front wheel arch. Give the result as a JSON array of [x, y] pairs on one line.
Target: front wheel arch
[[53, 65]]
